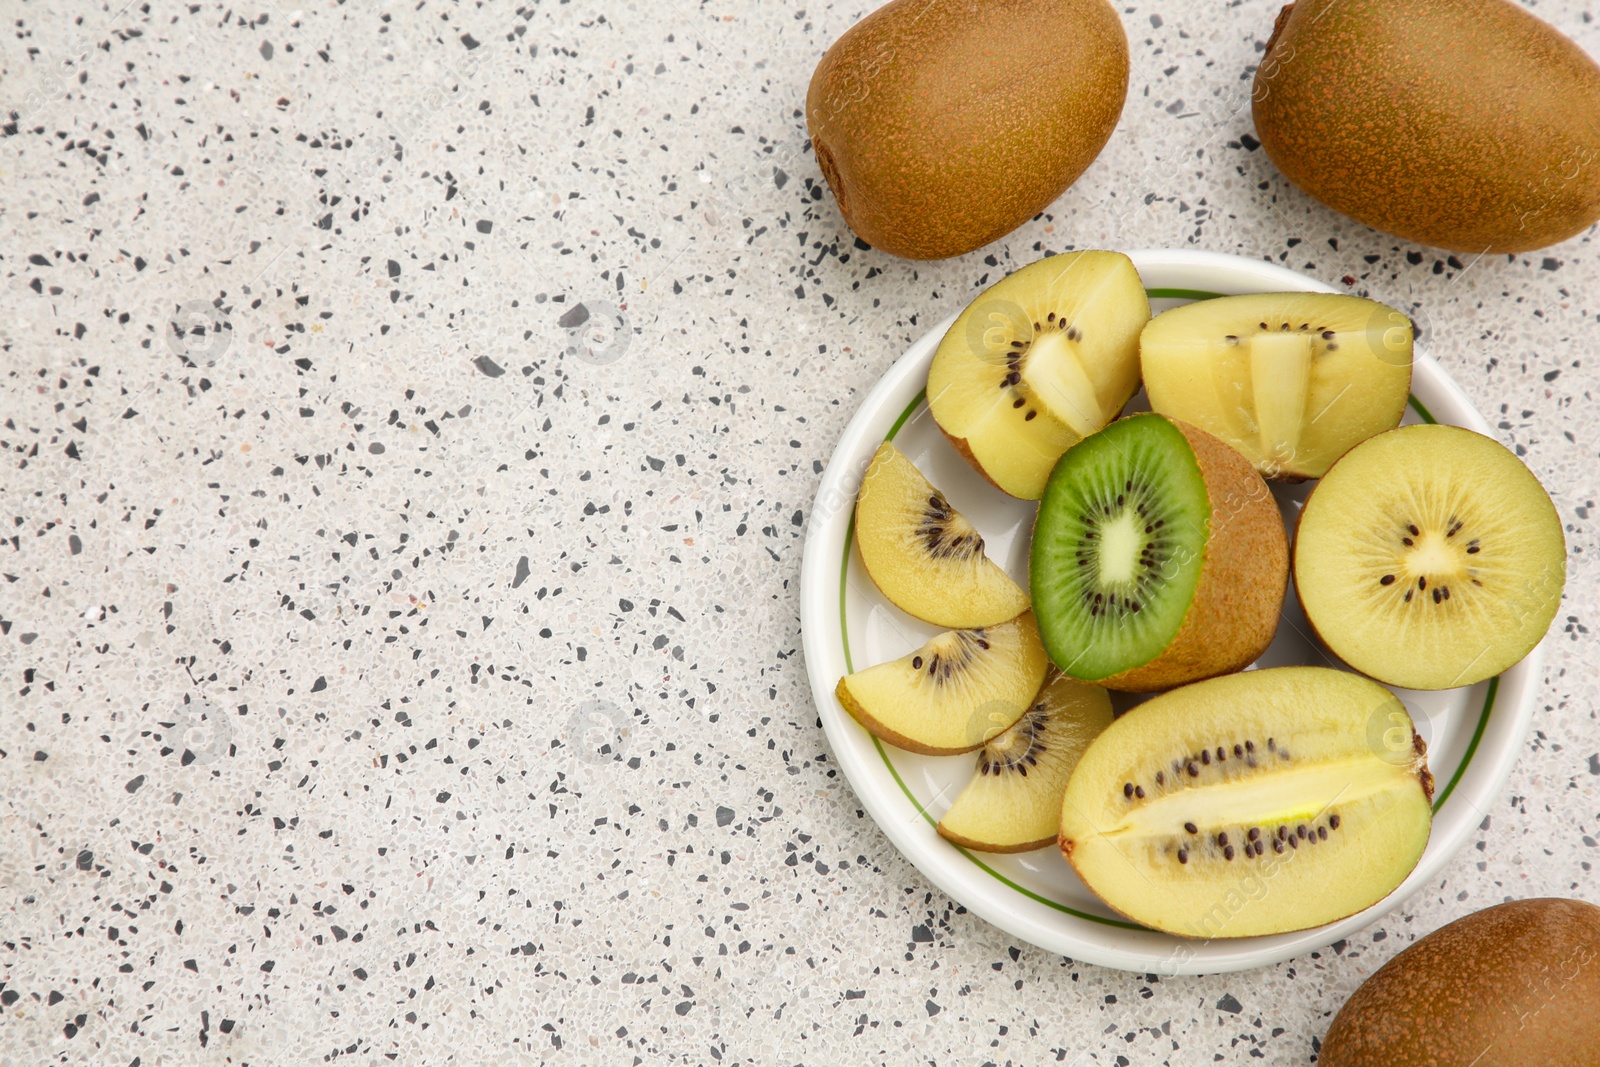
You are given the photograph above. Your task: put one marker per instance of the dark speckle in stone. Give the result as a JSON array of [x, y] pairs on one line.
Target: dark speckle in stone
[[1229, 1004], [522, 572]]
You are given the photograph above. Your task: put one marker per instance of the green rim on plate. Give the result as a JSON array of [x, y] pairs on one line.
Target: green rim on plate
[[844, 637]]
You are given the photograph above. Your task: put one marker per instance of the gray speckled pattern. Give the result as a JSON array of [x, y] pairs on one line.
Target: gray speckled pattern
[[410, 418]]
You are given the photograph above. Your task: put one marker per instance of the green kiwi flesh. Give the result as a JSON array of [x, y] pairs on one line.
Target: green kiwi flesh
[[1118, 547]]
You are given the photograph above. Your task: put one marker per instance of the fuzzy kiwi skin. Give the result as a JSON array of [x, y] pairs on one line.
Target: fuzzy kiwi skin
[[943, 126], [1515, 985], [1363, 104], [1243, 577]]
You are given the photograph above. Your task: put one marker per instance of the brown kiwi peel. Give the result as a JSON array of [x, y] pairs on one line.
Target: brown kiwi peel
[[1234, 614]]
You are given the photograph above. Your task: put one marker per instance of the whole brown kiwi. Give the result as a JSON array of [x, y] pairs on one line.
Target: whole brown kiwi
[[1515, 985], [943, 125], [1464, 124]]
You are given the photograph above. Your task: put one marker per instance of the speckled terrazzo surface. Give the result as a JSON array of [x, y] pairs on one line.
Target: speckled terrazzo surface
[[410, 419]]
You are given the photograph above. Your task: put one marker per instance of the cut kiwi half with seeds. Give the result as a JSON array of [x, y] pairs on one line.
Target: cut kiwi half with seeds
[[1429, 557], [923, 554], [1255, 803], [1013, 802], [1041, 359], [952, 694], [1159, 557], [1292, 380]]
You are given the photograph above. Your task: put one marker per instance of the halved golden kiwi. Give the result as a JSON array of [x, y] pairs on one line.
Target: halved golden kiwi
[[1429, 557], [1255, 803]]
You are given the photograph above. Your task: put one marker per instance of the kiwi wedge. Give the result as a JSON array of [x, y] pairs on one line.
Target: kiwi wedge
[[952, 694], [923, 554], [1292, 380], [1041, 359], [1158, 558], [1429, 557], [1255, 803], [1013, 802]]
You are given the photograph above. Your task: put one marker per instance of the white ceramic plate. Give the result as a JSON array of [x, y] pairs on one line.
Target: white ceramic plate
[[1474, 734]]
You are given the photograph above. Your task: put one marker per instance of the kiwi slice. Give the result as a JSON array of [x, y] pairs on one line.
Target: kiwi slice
[[952, 694], [1429, 557], [1255, 803], [1159, 557], [1042, 358], [1292, 380], [1013, 802], [923, 554]]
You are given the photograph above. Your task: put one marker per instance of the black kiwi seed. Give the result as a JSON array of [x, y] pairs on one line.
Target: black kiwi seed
[[1333, 821], [1227, 853], [1255, 833], [1294, 842], [1222, 838], [1422, 583], [1194, 769], [1249, 746], [916, 663], [1327, 335], [1127, 789], [1277, 846], [1238, 750], [1222, 754], [1408, 596], [1300, 831], [1414, 531], [1437, 596], [1160, 778], [1205, 756], [1018, 402], [1387, 579], [1454, 529], [1283, 832], [1183, 855], [1191, 827], [1138, 792], [1322, 833]]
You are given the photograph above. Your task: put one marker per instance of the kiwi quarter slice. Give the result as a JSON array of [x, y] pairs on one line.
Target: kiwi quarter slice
[[1429, 557], [1158, 557], [954, 693], [1254, 803], [1013, 802], [1042, 358], [924, 554], [1292, 380]]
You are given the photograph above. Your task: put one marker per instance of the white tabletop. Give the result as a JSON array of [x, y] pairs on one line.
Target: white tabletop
[[389, 541]]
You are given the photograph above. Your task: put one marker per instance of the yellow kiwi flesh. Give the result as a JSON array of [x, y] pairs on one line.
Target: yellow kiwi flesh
[[954, 693], [1292, 380], [1013, 801], [923, 554], [1429, 557], [1041, 359]]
